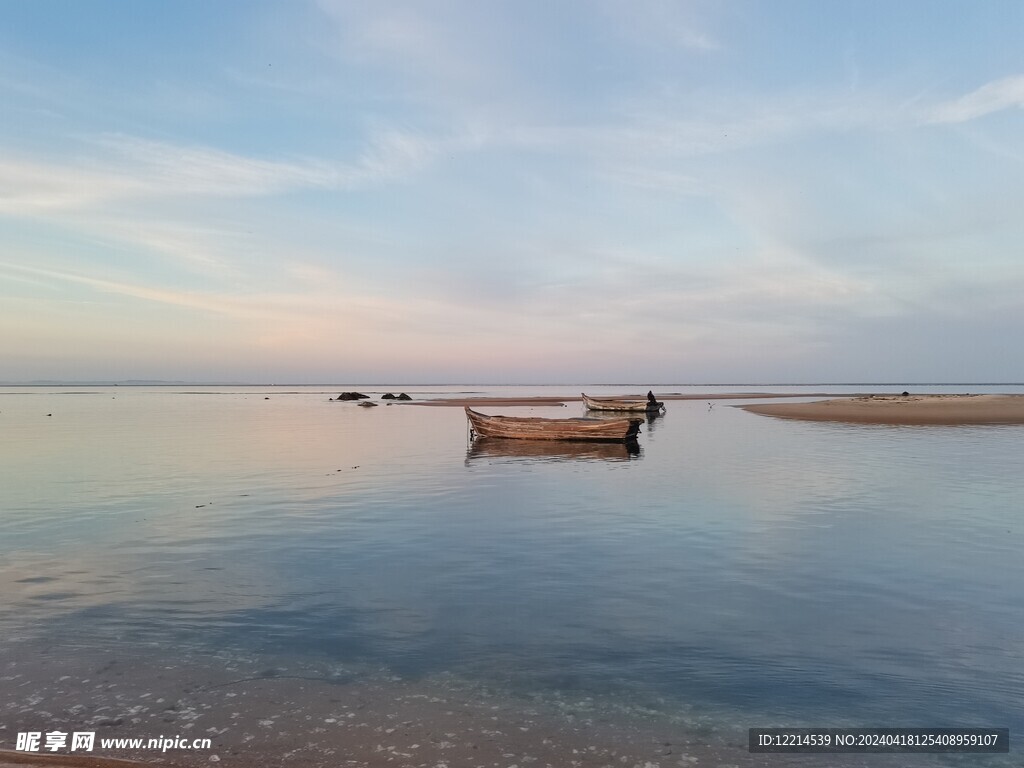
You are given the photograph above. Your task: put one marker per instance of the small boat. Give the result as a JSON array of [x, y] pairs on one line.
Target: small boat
[[650, 417], [614, 404], [527, 428]]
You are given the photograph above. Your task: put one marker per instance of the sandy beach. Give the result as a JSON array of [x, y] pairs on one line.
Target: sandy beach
[[899, 409], [10, 759]]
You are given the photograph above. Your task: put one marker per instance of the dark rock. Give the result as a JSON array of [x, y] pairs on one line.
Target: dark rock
[[388, 396], [352, 396], [403, 396]]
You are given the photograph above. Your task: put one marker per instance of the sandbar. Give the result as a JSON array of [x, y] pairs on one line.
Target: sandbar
[[963, 409], [547, 400]]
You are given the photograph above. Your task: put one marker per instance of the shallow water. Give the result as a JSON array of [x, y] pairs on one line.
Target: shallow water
[[756, 571]]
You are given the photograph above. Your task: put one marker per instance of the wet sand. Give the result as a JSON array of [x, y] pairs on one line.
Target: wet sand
[[495, 401], [326, 714], [9, 759], [526, 401], [898, 409]]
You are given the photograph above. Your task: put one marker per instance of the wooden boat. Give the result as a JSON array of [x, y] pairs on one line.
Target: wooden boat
[[614, 404], [650, 417], [526, 428], [503, 449]]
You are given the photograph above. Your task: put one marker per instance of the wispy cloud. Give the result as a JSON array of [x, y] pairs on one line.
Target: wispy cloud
[[189, 299], [445, 53], [176, 169], [995, 96], [660, 22], [172, 169], [304, 297], [654, 130], [28, 187], [127, 167]]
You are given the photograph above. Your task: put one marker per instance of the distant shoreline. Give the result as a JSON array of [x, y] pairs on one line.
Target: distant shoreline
[[898, 385], [551, 400]]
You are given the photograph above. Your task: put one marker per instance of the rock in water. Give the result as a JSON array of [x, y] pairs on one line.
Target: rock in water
[[352, 396]]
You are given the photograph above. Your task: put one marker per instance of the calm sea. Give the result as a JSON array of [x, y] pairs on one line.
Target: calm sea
[[760, 571]]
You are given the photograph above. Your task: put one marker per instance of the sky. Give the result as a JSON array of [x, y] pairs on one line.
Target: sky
[[520, 191]]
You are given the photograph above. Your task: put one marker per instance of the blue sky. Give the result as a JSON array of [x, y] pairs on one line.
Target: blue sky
[[512, 191]]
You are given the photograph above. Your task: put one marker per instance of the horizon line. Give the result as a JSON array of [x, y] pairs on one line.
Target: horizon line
[[178, 383]]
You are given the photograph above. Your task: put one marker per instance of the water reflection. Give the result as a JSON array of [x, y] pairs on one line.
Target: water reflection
[[549, 450], [653, 418], [800, 569]]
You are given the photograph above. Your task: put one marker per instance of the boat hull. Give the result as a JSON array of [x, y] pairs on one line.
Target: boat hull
[[612, 404], [583, 430]]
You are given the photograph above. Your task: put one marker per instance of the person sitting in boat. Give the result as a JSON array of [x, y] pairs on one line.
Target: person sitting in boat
[[650, 398]]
